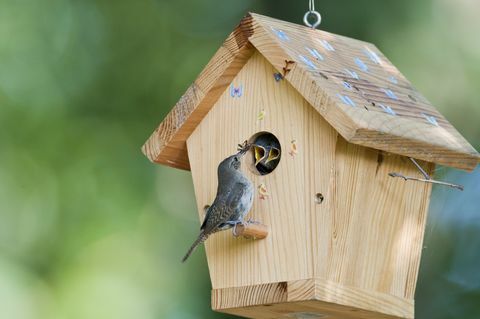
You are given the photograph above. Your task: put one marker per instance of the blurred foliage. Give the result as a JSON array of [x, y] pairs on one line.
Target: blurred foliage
[[90, 229]]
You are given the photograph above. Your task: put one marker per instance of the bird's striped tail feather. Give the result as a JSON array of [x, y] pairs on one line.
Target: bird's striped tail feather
[[201, 238]]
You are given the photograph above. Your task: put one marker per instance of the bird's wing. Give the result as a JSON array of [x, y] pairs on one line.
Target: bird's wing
[[235, 195], [222, 210], [207, 217]]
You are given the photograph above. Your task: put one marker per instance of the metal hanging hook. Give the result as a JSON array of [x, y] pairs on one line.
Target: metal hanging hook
[[311, 13]]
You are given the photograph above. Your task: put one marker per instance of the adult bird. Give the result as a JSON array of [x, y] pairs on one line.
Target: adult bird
[[233, 200]]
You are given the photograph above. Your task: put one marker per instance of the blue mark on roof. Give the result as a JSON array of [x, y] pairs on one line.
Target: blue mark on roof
[[430, 119], [390, 94], [393, 79], [326, 45], [281, 34], [315, 53], [352, 74], [361, 65], [387, 109], [347, 85], [308, 62], [372, 55], [347, 100]]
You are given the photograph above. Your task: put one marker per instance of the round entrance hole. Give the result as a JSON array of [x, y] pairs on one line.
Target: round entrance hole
[[265, 154]]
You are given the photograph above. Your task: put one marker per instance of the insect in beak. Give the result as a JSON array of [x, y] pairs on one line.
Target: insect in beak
[[260, 153], [243, 148], [273, 154]]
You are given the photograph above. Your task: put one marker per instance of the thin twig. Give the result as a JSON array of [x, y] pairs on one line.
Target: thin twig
[[425, 174], [432, 181]]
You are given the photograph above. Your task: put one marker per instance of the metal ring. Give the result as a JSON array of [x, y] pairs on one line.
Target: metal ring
[[318, 19]]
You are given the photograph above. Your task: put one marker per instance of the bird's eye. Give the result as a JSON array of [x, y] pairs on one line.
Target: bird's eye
[[236, 159]]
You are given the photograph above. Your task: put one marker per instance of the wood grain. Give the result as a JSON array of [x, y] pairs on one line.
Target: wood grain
[[239, 297], [318, 297], [235, 262], [365, 236], [406, 133], [252, 230], [322, 83]]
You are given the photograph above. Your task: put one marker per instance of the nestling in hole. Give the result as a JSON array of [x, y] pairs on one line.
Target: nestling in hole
[[266, 153]]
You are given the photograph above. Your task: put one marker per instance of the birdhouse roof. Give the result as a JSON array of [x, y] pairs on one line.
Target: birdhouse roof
[[349, 82]]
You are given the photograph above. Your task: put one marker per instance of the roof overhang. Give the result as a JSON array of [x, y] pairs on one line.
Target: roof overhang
[[378, 109]]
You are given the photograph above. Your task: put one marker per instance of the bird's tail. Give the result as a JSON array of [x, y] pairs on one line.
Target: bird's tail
[[201, 238]]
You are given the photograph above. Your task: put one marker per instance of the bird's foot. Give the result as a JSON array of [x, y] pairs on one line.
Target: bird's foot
[[234, 223]]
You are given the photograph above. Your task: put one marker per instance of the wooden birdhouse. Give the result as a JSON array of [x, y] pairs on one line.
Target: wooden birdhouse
[[345, 237]]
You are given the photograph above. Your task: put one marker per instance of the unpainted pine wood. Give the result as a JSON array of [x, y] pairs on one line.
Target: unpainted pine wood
[[306, 309], [325, 69], [241, 297], [253, 230], [326, 81], [167, 144], [313, 296], [367, 232], [285, 254], [371, 234], [362, 200]]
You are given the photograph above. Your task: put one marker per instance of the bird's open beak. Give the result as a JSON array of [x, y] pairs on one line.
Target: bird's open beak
[[273, 154], [260, 153]]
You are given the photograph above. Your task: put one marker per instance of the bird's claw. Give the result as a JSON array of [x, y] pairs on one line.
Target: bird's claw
[[235, 223]]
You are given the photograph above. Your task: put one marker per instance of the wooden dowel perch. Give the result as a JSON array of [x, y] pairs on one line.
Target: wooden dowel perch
[[252, 230]]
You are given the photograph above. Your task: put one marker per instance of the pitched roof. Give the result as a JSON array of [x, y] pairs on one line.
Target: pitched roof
[[349, 82]]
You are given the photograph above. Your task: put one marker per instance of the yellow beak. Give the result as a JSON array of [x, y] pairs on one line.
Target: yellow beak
[[260, 154], [273, 154]]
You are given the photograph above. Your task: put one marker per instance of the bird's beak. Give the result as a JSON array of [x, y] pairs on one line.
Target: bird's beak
[[273, 154], [260, 153], [243, 148]]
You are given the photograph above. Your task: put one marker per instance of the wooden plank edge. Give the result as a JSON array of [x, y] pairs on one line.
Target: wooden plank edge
[[368, 300], [416, 149], [229, 300], [239, 297]]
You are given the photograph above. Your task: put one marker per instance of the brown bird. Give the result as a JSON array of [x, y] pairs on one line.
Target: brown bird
[[233, 200]]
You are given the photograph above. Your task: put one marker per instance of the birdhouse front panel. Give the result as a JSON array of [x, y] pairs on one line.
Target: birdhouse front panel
[[339, 225], [255, 102]]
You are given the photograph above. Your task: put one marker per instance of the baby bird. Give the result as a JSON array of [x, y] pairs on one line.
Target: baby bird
[[267, 153], [233, 200]]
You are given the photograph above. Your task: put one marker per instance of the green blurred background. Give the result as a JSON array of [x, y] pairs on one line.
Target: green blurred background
[[90, 229]]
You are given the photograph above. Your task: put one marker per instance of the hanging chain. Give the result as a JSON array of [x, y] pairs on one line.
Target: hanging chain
[[317, 18]]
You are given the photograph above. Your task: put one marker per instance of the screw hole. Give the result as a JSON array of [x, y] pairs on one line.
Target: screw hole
[[319, 198]]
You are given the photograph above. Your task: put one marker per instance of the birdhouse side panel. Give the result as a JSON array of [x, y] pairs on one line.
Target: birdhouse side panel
[[258, 100], [376, 223]]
